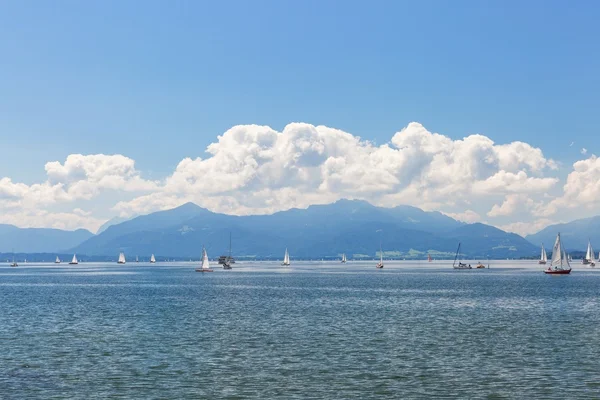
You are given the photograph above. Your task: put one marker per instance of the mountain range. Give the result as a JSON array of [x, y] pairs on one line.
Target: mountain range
[[574, 234], [356, 228], [39, 240]]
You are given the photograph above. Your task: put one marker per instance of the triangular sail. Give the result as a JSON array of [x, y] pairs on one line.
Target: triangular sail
[[589, 255], [74, 260], [152, 259], [286, 258], [205, 263], [544, 256], [57, 260], [560, 259], [344, 257], [121, 258]]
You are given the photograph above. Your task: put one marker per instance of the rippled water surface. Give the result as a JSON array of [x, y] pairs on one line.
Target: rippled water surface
[[315, 330]]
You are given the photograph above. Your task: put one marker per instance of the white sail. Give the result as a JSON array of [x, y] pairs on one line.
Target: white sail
[[74, 260], [344, 258], [286, 258], [152, 259], [121, 258], [544, 256], [205, 263], [57, 260], [560, 260], [589, 255]]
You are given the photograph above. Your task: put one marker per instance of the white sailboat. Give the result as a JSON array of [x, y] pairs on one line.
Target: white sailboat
[[589, 256], [560, 261], [57, 261], [344, 258], [543, 256], [152, 259], [74, 260], [286, 258], [459, 265], [205, 267], [380, 263], [121, 258], [137, 259]]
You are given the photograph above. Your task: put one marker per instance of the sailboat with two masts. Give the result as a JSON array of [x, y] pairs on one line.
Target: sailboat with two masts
[[543, 256], [227, 263], [459, 265], [344, 258], [205, 267], [152, 259], [589, 258], [560, 261], [121, 258], [286, 258], [380, 263], [74, 260]]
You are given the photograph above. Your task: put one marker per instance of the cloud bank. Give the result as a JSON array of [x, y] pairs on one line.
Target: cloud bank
[[253, 169]]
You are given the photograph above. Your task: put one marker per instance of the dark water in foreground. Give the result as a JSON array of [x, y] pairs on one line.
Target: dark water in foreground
[[317, 331]]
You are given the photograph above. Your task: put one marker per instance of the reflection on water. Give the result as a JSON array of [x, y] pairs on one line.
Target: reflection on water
[[315, 330]]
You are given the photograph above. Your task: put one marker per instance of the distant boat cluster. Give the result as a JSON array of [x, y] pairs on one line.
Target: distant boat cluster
[[559, 264]]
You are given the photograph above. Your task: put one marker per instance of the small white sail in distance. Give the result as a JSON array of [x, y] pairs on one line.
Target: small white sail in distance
[[544, 256], [152, 259], [589, 255], [74, 260], [121, 258], [286, 258], [205, 263], [57, 261]]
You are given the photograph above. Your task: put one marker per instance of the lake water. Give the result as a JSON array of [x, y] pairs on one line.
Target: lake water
[[312, 331]]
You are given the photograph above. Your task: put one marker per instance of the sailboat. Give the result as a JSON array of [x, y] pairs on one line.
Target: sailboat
[[589, 256], [227, 263], [152, 259], [560, 261], [57, 261], [121, 258], [137, 259], [205, 267], [457, 258], [286, 258], [429, 259], [543, 257], [14, 262], [380, 263], [74, 260], [344, 258]]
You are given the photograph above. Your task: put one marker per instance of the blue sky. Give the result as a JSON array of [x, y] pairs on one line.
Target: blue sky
[[157, 81]]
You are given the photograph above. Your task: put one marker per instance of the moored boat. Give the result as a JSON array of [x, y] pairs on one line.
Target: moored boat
[[559, 264], [459, 265], [227, 263]]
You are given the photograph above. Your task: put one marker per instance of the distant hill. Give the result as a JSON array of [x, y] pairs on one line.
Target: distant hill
[[574, 234], [111, 222], [352, 227], [39, 240]]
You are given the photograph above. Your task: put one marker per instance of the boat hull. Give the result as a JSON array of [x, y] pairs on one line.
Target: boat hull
[[72, 263], [203, 270], [557, 272], [542, 262], [379, 266]]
